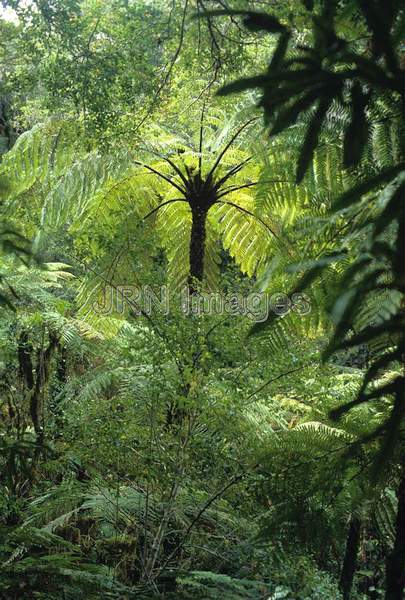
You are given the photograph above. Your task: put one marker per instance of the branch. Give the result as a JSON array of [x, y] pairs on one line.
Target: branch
[[169, 71], [171, 163], [275, 379], [232, 172], [162, 205], [244, 210], [173, 183], [235, 188], [228, 145], [202, 510]]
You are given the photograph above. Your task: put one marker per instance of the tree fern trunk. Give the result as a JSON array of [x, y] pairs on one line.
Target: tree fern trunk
[[197, 246], [395, 566], [350, 559], [41, 382]]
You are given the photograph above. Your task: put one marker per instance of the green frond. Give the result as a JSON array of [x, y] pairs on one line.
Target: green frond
[[247, 239], [95, 388], [208, 585], [39, 155], [322, 434], [385, 517], [173, 224], [69, 200]]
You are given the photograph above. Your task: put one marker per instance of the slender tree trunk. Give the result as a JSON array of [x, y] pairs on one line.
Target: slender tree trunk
[[350, 558], [395, 565], [197, 246], [39, 390], [24, 351]]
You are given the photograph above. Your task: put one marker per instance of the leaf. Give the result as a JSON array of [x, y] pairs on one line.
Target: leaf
[[255, 21], [302, 284], [348, 303], [307, 76], [280, 52], [366, 186], [392, 428], [385, 390], [263, 22], [379, 364], [356, 134], [289, 116], [311, 138], [371, 71], [379, 17], [394, 325], [242, 84], [393, 210]]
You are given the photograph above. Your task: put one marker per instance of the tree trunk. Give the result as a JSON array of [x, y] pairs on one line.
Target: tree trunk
[[24, 351], [395, 565], [350, 559], [197, 247], [41, 382]]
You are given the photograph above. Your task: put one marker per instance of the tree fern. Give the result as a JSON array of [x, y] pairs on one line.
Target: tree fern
[[40, 154]]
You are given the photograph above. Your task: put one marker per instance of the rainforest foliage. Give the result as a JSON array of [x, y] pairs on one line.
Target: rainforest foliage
[[202, 316]]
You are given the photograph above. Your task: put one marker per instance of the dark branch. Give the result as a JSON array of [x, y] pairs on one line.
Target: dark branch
[[162, 205], [234, 480], [228, 145], [173, 183], [171, 163], [235, 188], [232, 172], [275, 379], [244, 210]]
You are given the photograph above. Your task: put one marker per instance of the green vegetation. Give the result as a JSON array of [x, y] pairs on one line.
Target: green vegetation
[[202, 285]]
